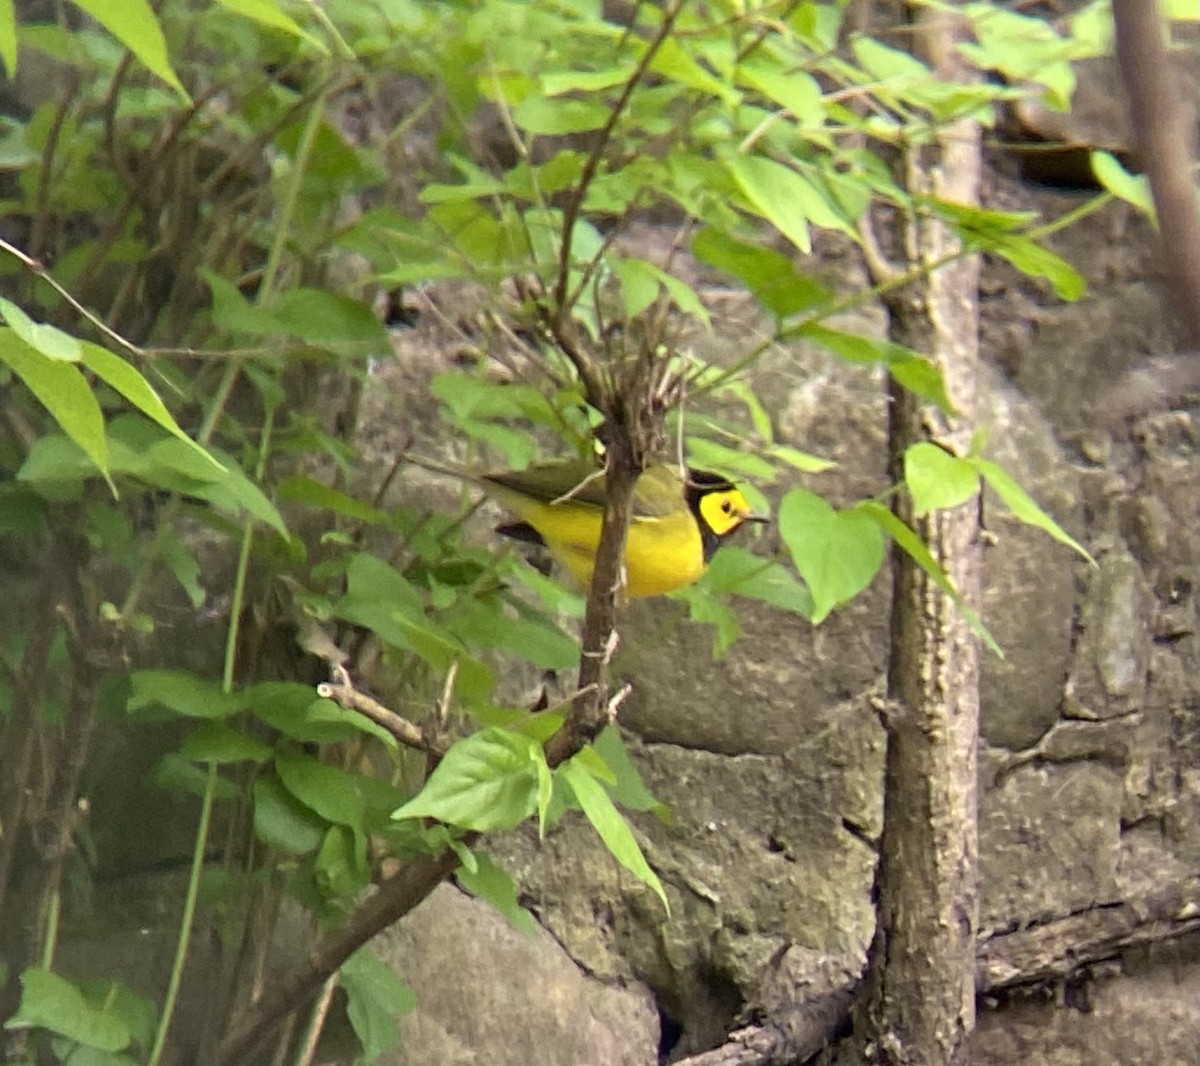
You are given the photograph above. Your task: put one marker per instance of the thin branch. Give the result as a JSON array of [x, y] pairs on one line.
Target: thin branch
[[592, 163], [1165, 145], [407, 733], [396, 896]]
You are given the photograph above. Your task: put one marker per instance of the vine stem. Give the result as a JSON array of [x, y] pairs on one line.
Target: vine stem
[[187, 920]]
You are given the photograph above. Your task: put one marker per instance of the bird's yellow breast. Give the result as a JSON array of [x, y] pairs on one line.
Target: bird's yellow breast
[[661, 554]]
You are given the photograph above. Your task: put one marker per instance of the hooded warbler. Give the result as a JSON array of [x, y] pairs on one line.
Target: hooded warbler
[[677, 523]]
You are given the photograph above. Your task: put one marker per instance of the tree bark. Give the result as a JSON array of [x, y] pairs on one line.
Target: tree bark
[[918, 1005]]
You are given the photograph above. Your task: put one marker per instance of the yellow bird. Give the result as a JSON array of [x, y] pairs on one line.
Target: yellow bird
[[676, 527]]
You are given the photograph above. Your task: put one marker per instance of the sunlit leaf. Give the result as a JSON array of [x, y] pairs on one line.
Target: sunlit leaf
[[270, 13], [777, 193], [771, 276], [489, 882], [936, 479], [1023, 506], [134, 24], [487, 781], [125, 379], [1132, 188], [51, 341], [611, 826], [838, 553], [62, 389], [919, 552], [8, 37]]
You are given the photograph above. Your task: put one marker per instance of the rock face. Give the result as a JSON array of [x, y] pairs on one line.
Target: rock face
[[490, 994], [770, 759]]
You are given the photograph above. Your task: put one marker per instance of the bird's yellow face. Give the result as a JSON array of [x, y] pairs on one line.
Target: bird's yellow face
[[723, 510]]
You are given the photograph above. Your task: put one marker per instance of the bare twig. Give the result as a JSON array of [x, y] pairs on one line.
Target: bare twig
[[592, 163], [407, 733]]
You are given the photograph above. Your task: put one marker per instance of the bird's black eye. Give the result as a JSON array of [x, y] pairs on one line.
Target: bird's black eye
[[727, 507]]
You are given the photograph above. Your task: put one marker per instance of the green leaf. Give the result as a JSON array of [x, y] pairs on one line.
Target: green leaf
[[22, 511], [340, 867], [803, 461], [611, 825], [628, 789], [1023, 506], [125, 379], [8, 37], [771, 276], [52, 1002], [269, 13], [558, 82], [376, 997], [474, 680], [490, 882], [888, 64], [777, 193], [182, 693], [378, 596], [233, 312], [138, 1013], [742, 573], [177, 774], [534, 639], [709, 455], [306, 490], [232, 491], [182, 563], [795, 90], [911, 369], [707, 605], [282, 821], [542, 116], [1180, 11], [217, 742], [52, 342], [639, 284], [1038, 262], [318, 316], [936, 479], [334, 794], [488, 781], [674, 61], [63, 390], [133, 23], [1132, 188], [838, 553], [919, 552], [297, 712]]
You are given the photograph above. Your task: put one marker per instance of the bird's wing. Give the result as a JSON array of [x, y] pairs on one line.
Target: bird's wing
[[578, 481], [659, 490]]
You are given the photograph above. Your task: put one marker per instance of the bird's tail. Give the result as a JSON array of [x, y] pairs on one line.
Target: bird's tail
[[439, 466]]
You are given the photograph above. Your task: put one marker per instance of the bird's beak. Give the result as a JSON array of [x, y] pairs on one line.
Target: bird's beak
[[762, 519]]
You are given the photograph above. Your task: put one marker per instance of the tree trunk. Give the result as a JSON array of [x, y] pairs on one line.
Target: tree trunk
[[918, 1004]]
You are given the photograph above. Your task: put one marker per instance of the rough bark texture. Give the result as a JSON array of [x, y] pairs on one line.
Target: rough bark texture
[[919, 1001]]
